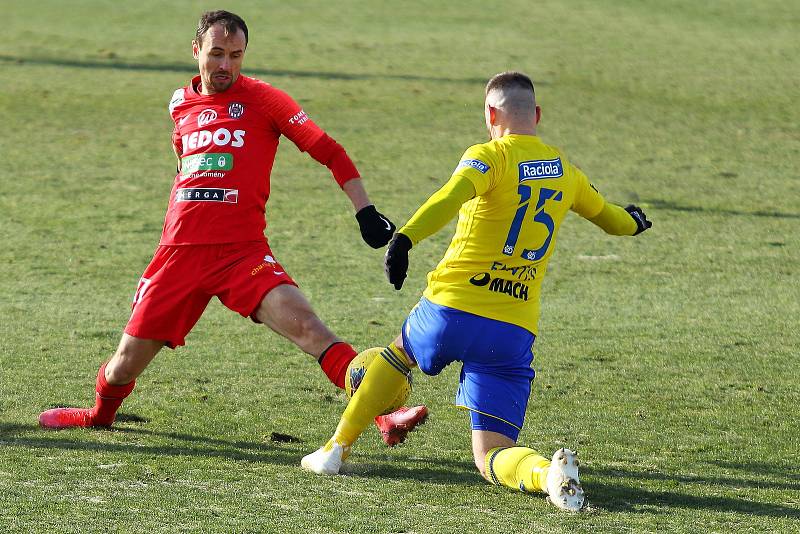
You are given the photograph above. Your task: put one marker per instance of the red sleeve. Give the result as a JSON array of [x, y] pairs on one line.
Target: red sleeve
[[332, 155], [290, 119], [177, 142]]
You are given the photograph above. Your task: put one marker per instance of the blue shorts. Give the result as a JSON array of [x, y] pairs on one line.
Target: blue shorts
[[496, 361]]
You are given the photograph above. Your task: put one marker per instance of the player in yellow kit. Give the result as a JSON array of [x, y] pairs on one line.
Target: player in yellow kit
[[481, 305]]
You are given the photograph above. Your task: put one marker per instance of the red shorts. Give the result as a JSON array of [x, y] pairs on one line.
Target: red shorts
[[180, 280]]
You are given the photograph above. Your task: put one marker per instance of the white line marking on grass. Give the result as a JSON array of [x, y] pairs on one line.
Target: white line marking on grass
[[608, 257]]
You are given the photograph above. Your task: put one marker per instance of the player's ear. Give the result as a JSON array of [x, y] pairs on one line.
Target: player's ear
[[195, 49], [492, 115], [538, 114]]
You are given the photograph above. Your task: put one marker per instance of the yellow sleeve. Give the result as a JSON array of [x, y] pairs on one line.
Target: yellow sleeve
[[440, 207], [479, 166], [588, 201], [615, 220]]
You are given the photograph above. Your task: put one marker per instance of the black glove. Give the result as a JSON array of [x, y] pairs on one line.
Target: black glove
[[395, 263], [638, 215], [376, 229]]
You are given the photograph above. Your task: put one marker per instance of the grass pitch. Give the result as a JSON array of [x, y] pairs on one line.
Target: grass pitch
[[669, 361]]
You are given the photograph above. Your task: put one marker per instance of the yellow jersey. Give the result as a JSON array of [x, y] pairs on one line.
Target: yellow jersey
[[505, 236]]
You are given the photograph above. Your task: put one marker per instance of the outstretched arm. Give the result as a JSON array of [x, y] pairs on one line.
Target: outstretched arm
[[440, 207], [615, 220], [376, 229]]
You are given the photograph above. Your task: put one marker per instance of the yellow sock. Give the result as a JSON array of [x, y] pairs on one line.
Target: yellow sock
[[517, 468], [382, 382]]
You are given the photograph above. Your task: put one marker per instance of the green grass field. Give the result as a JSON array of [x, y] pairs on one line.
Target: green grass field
[[669, 361]]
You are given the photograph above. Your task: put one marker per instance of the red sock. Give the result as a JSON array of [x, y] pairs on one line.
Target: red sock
[[108, 398], [334, 361]]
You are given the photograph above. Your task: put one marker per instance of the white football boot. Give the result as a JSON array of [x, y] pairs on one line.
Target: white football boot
[[563, 486], [327, 460]]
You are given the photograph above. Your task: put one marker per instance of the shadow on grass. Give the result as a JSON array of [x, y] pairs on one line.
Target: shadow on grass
[[706, 480], [674, 206], [763, 468], [622, 498], [191, 68], [615, 498], [611, 497], [280, 453]]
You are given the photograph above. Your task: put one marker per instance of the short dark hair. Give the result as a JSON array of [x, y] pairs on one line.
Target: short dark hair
[[231, 22], [510, 80]]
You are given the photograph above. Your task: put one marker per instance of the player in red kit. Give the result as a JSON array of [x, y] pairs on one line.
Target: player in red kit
[[227, 129]]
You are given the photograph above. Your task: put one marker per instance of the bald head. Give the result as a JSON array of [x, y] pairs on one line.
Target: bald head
[[511, 104]]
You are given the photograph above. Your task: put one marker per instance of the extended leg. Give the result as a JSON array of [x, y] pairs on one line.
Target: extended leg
[[115, 381], [382, 382], [286, 311]]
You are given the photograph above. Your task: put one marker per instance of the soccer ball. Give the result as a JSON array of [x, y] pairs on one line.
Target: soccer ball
[[358, 368]]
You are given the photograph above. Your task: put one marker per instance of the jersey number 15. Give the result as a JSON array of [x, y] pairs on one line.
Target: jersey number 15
[[540, 216]]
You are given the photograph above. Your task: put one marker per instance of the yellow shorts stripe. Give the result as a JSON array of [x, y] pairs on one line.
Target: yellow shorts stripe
[[462, 407]]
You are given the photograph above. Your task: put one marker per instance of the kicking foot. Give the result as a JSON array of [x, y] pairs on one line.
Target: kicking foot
[[563, 486], [395, 426], [59, 418], [327, 460]]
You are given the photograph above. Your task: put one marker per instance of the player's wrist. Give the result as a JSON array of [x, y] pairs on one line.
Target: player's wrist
[[366, 214], [638, 216], [401, 241]]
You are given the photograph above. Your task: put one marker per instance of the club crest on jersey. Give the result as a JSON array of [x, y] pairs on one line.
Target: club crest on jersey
[[207, 116], [198, 194], [475, 164], [235, 110], [540, 169]]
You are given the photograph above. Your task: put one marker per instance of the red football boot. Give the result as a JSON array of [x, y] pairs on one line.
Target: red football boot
[[59, 418], [395, 426]]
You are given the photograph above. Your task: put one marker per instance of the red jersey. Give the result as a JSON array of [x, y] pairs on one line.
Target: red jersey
[[227, 144]]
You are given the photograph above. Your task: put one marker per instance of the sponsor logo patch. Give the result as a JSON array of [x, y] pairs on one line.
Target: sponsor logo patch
[[522, 273], [514, 289], [220, 161], [207, 194], [235, 110], [207, 116], [475, 164], [540, 169], [220, 137], [299, 118]]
